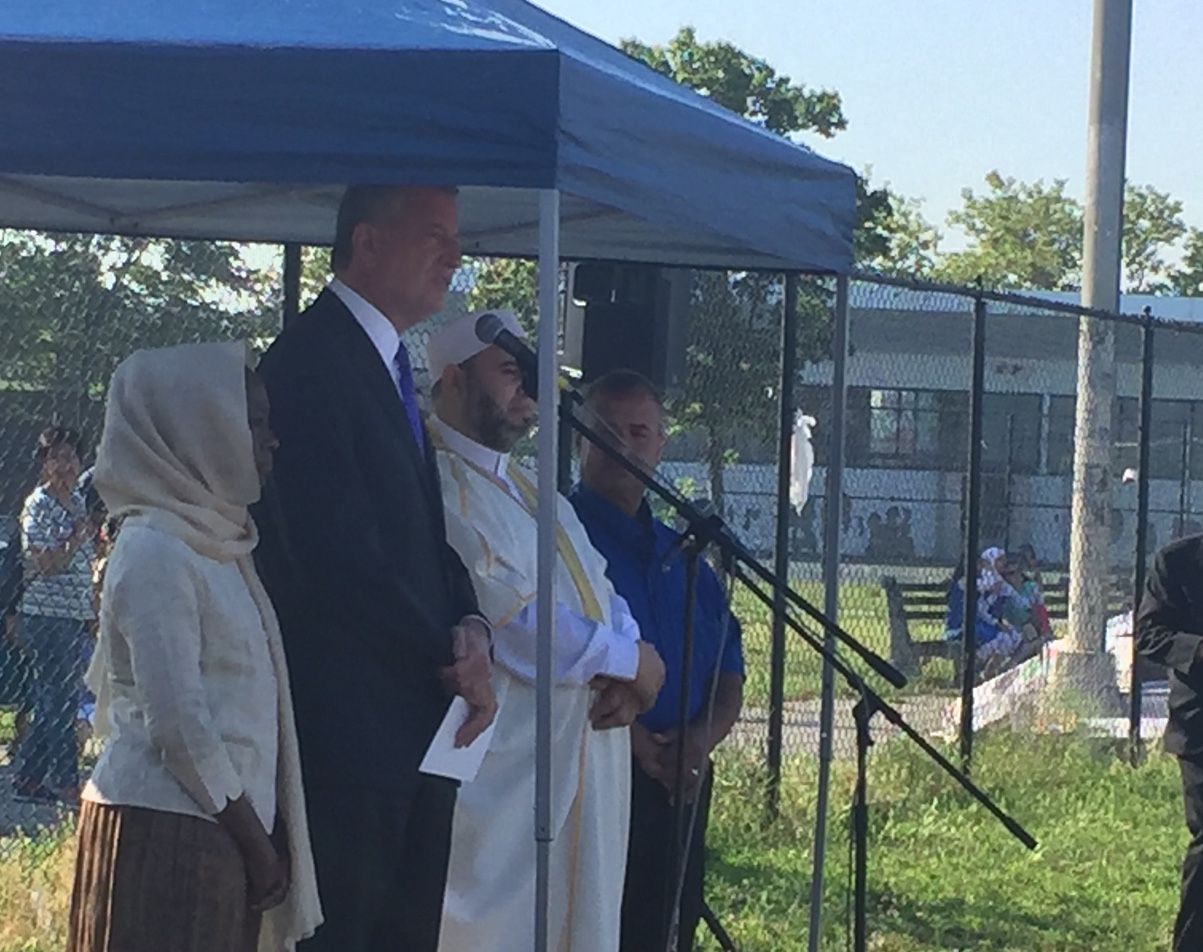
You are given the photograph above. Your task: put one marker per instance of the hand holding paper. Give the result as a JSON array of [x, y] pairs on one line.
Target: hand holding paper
[[444, 759]]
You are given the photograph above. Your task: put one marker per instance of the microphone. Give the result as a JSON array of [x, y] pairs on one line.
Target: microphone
[[490, 329]]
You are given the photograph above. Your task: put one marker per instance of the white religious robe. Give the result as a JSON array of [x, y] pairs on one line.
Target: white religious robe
[[490, 898]]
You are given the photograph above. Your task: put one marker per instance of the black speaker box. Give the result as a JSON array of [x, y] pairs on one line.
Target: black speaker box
[[634, 319]]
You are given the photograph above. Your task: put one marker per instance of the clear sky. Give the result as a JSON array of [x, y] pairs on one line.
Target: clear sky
[[939, 92]]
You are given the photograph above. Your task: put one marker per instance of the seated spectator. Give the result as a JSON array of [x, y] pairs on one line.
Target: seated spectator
[[997, 639], [1025, 560], [1023, 576], [1017, 606]]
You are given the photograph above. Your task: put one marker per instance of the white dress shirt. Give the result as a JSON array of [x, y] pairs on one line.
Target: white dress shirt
[[380, 330], [584, 648], [192, 694]]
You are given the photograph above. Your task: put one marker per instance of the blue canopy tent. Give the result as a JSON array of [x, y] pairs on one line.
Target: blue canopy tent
[[227, 119], [236, 120]]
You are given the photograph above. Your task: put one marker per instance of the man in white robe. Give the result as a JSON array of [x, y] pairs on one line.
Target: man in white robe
[[604, 676]]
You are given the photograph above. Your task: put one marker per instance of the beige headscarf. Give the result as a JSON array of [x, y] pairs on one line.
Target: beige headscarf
[[176, 454]]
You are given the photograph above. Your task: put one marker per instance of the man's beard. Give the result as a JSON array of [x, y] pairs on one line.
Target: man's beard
[[496, 431]]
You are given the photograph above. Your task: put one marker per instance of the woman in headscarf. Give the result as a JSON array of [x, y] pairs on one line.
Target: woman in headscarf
[[192, 833]]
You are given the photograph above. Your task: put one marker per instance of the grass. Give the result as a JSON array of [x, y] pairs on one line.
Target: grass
[[35, 890], [863, 614], [943, 874]]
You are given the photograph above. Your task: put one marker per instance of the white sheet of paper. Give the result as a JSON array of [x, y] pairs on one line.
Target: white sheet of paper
[[444, 759]]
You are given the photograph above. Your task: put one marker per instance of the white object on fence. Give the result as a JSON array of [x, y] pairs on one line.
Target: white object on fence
[[803, 462]]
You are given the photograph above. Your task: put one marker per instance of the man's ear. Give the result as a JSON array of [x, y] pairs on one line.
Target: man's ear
[[453, 378], [363, 240]]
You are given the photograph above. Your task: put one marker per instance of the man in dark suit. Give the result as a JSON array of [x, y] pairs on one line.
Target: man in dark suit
[[1169, 631], [378, 614]]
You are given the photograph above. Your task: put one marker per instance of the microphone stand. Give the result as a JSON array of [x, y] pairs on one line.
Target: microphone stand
[[707, 530], [691, 544], [870, 703], [721, 936], [679, 849]]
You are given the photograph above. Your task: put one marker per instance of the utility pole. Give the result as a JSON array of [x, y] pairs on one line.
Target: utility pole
[[1086, 667]]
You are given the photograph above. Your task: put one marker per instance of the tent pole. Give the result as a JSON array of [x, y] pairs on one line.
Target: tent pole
[[549, 273], [833, 514]]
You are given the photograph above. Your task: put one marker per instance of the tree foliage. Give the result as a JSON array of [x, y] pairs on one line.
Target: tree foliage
[[750, 87], [1021, 235], [1028, 235], [745, 84], [73, 306], [905, 244], [1187, 278], [1152, 226], [733, 354], [509, 283]]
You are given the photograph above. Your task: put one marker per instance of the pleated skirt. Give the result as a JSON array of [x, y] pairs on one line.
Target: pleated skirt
[[150, 881]]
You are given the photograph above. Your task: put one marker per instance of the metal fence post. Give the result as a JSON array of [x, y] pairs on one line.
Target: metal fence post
[[789, 360], [973, 500], [1142, 526], [292, 282], [832, 511], [1008, 479]]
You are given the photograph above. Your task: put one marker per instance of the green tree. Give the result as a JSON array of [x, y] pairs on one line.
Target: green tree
[[506, 283], [1029, 236], [1152, 225], [903, 242], [73, 306], [315, 273], [750, 87], [745, 84], [1021, 235], [731, 347], [1187, 278]]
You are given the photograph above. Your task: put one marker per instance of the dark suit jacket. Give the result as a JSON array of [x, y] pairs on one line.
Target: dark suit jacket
[[1169, 630], [354, 555]]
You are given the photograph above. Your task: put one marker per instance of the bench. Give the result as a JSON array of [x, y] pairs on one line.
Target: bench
[[927, 603]]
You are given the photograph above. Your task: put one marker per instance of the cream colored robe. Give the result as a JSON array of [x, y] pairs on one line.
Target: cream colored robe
[[490, 899]]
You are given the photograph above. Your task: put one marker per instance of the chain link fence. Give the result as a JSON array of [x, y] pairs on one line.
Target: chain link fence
[[907, 479], [906, 482], [71, 307]]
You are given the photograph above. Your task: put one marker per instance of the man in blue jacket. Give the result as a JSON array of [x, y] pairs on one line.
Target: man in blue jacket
[[639, 550]]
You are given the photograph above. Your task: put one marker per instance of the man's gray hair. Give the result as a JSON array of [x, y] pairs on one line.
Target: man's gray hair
[[367, 203], [622, 383]]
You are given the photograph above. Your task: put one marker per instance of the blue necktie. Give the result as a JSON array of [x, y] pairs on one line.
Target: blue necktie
[[409, 397]]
